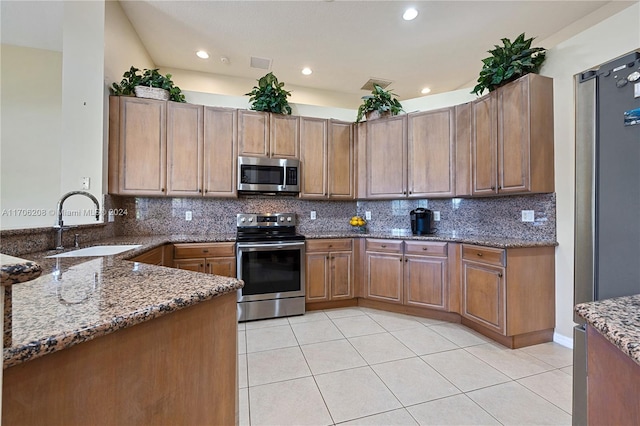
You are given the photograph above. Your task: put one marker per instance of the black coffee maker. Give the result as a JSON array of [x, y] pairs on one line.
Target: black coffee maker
[[422, 221]]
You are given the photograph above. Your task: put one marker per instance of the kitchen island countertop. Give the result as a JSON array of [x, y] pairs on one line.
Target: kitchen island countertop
[[77, 299], [618, 320]]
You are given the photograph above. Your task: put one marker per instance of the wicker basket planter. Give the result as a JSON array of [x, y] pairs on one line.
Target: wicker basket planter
[[151, 93]]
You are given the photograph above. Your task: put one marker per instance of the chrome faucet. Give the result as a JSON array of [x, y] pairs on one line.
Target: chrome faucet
[[59, 223]]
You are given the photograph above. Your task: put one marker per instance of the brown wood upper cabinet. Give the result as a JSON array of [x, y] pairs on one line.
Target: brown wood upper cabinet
[[263, 134], [137, 146], [386, 157], [411, 155], [512, 139], [326, 154], [169, 148], [329, 270], [430, 154]]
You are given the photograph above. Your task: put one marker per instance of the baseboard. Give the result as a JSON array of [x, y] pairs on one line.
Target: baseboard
[[563, 340]]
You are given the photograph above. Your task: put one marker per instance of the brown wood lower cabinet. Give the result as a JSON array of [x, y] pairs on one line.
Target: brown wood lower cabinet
[[509, 294], [613, 383], [167, 370], [410, 272], [210, 258], [426, 275], [329, 270]]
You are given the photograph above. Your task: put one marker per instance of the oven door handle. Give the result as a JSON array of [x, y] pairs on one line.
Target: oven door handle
[[268, 246]]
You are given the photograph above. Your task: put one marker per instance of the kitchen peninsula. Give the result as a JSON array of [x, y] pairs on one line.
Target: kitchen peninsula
[[106, 340]]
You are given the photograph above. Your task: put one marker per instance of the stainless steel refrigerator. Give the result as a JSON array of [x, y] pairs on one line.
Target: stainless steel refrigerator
[[607, 209]]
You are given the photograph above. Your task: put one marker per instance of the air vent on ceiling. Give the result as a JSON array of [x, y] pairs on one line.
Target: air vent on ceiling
[[382, 83], [261, 63]]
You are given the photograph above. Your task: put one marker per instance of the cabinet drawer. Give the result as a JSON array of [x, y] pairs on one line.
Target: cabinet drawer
[[426, 249], [489, 255], [329, 245], [392, 246], [191, 250]]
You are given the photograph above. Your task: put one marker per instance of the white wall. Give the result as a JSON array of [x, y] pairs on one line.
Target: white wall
[[82, 105], [604, 41], [31, 137], [122, 46]]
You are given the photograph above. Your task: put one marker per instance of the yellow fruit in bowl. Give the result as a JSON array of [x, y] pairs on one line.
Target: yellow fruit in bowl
[[361, 221]]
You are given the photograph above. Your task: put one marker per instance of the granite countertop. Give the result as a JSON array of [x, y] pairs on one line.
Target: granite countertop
[[77, 299], [618, 320], [453, 237], [14, 270]]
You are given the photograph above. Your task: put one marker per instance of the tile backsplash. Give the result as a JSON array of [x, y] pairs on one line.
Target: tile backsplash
[[499, 216]]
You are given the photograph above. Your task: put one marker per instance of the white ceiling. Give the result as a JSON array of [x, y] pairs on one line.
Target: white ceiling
[[348, 42], [344, 42]]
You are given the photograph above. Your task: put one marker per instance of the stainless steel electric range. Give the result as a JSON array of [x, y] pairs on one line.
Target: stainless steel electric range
[[270, 259]]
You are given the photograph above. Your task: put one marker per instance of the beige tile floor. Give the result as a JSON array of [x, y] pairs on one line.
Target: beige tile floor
[[367, 367]]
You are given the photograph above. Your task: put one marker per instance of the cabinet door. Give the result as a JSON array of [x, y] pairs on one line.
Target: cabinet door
[[384, 276], [253, 133], [341, 264], [284, 138], [483, 298], [426, 282], [184, 149], [513, 137], [220, 144], [340, 160], [225, 266], [386, 147], [313, 157], [152, 257], [196, 265], [317, 277], [484, 146], [463, 150], [430, 153], [143, 146]]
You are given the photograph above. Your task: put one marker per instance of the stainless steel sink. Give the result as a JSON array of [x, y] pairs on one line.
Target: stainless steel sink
[[98, 251]]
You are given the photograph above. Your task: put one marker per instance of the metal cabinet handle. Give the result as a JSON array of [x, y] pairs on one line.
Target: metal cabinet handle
[[493, 188], [330, 245], [500, 274], [406, 260], [479, 254], [424, 248], [383, 245], [205, 250]]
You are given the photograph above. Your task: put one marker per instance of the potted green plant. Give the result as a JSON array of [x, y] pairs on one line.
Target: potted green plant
[[269, 95], [509, 62], [379, 103], [148, 84]]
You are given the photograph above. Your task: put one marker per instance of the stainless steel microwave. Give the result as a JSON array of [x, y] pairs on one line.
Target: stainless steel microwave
[[268, 175]]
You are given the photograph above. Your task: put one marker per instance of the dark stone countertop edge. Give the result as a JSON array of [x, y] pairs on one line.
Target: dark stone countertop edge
[[15, 273], [497, 242], [617, 320]]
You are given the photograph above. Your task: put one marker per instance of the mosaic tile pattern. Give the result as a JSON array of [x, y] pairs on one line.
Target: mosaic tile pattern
[[490, 217], [79, 299], [618, 320]]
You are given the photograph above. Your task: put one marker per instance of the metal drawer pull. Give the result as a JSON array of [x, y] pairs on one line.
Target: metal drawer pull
[[424, 248], [500, 274], [205, 250], [383, 245], [480, 254]]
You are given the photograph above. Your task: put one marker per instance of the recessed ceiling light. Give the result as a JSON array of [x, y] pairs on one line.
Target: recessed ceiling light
[[202, 54], [306, 71], [410, 14], [425, 91]]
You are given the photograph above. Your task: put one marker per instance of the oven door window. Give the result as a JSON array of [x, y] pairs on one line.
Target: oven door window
[[276, 271], [262, 175]]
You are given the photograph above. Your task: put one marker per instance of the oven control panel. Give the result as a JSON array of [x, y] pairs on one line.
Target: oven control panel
[[248, 220]]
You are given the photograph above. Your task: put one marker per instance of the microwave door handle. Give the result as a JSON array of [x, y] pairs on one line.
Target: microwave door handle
[[284, 180]]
